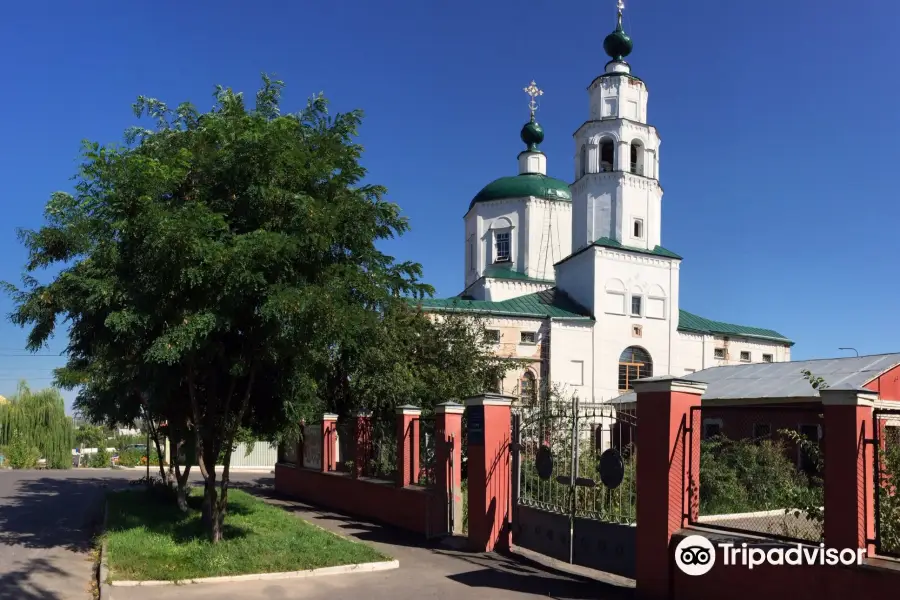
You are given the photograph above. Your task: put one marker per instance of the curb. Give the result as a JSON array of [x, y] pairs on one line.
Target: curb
[[103, 571], [338, 570]]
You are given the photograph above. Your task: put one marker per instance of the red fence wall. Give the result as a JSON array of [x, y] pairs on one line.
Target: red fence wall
[[784, 581], [408, 507]]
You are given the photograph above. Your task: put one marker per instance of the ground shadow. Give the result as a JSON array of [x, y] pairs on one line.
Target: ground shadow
[[53, 511], [513, 573], [21, 584]]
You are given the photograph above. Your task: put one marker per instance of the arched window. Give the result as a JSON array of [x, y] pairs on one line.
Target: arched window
[[637, 157], [607, 155], [527, 389], [582, 163], [634, 363]]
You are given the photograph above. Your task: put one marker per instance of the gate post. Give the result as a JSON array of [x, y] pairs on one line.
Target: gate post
[[329, 442], [448, 469], [488, 469], [407, 444], [849, 468], [664, 488]]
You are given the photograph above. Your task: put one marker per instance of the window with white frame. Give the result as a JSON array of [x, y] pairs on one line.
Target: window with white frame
[[745, 356], [767, 358], [528, 337], [638, 229], [636, 305], [502, 246], [492, 336], [720, 353]]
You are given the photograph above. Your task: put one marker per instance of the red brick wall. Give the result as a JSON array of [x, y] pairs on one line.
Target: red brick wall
[[407, 508], [776, 582]]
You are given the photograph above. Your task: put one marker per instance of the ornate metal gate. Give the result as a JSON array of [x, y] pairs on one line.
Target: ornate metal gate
[[574, 493]]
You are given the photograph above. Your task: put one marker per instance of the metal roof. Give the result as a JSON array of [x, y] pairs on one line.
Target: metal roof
[[784, 379]]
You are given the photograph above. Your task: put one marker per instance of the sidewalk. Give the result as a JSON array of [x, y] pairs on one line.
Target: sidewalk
[[432, 572]]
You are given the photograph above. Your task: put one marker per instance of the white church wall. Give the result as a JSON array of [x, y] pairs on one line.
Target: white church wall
[[696, 352], [621, 276], [575, 277], [623, 97], [497, 290], [484, 220], [549, 236], [571, 358]]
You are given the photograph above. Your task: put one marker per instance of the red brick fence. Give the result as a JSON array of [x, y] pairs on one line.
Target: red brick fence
[[667, 492]]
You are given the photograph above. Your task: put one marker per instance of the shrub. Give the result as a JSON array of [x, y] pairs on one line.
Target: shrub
[[20, 454], [130, 457], [100, 459]]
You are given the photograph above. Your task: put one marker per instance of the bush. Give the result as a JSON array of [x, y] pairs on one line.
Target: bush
[[20, 455], [100, 459], [748, 475], [130, 457]]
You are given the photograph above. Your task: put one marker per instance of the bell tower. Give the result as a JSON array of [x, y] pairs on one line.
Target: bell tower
[[616, 194]]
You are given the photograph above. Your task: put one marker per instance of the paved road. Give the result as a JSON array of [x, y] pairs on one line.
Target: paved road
[[47, 520]]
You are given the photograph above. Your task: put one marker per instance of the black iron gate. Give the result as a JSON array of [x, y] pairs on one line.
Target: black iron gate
[[573, 478], [435, 446]]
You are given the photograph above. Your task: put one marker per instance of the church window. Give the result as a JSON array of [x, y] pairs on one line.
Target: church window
[[582, 162], [636, 306], [634, 363], [720, 353], [492, 336], [637, 157], [502, 245], [767, 358], [527, 389], [528, 337], [471, 253], [638, 229], [607, 155], [745, 356]]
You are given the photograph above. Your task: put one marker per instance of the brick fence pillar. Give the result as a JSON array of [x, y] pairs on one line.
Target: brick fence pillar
[[329, 442], [362, 443], [448, 461], [849, 467], [663, 482], [489, 434], [407, 444]]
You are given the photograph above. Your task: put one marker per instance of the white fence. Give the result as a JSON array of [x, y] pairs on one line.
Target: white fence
[[262, 454]]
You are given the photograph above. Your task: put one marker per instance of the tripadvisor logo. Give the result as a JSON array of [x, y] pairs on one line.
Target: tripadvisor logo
[[696, 555]]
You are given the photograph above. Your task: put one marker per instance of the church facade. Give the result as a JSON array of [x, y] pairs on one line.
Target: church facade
[[573, 279]]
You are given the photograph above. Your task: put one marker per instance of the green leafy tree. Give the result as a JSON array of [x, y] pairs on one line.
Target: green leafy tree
[[40, 419], [20, 454], [228, 255], [90, 436]]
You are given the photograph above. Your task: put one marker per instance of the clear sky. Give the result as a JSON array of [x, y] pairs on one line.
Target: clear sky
[[778, 121]]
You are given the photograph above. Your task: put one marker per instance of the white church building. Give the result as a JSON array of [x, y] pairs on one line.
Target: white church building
[[573, 278]]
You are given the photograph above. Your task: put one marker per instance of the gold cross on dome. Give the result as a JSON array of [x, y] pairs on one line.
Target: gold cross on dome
[[534, 91]]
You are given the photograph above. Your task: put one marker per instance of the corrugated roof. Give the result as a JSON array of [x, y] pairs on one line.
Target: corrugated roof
[[548, 303], [691, 322], [785, 379]]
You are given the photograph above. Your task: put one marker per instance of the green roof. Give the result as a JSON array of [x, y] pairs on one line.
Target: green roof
[[691, 322], [506, 271], [550, 303], [522, 186], [657, 250]]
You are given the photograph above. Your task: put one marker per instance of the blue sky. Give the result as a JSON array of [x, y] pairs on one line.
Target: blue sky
[[777, 120]]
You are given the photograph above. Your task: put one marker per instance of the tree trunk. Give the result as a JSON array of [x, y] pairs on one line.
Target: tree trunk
[[211, 517], [181, 479]]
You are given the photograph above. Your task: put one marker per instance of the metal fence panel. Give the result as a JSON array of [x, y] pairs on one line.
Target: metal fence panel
[[761, 470]]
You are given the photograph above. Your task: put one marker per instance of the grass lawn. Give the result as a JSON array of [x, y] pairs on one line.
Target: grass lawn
[[151, 539]]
